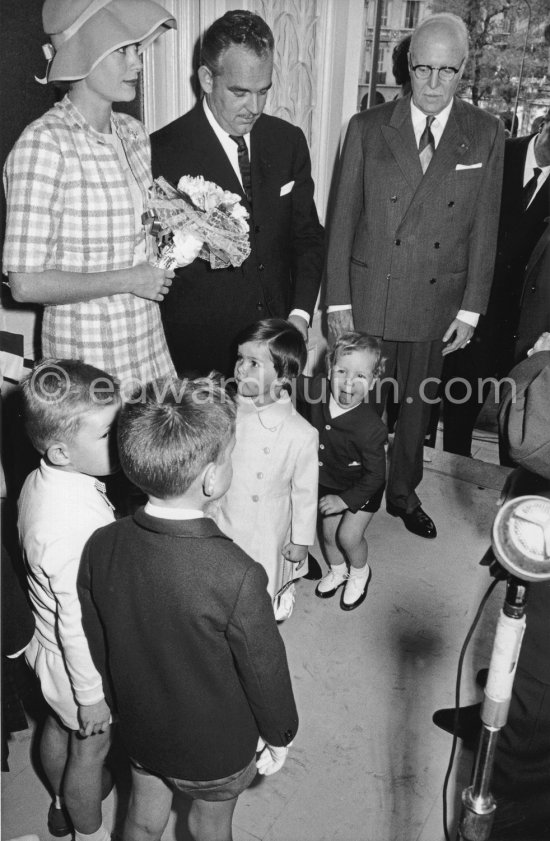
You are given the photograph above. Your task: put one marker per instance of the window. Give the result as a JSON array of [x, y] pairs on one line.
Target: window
[[412, 8], [384, 16]]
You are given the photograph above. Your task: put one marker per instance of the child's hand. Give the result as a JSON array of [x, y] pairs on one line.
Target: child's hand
[[295, 553], [271, 760], [542, 343], [94, 718], [331, 504]]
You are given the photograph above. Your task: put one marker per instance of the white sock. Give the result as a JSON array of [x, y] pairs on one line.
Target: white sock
[[339, 569], [359, 572], [58, 802], [100, 834]]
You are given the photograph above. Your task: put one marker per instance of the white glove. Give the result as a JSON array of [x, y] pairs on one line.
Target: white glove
[[271, 760]]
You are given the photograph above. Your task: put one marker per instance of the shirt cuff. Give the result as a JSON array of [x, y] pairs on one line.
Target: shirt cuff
[[468, 317], [338, 307], [302, 313]]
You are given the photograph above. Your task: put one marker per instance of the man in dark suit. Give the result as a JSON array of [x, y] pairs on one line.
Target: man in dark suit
[[413, 237], [227, 139], [525, 205]]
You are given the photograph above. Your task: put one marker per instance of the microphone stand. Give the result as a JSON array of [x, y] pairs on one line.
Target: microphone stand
[[478, 804]]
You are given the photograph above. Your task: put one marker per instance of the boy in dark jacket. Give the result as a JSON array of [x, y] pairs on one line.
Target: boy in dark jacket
[[180, 620]]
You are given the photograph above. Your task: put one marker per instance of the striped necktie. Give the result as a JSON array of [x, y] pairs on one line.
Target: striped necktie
[[426, 147], [244, 165]]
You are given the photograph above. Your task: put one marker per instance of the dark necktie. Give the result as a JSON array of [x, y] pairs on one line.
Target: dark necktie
[[244, 165], [426, 147], [530, 188]]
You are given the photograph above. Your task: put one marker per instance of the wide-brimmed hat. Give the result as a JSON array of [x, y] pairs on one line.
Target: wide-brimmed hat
[[83, 32]]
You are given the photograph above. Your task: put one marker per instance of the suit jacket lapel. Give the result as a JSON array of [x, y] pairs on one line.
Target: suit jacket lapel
[[399, 135], [211, 152]]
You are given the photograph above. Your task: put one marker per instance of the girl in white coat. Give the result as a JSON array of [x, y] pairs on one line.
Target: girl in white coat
[[270, 509]]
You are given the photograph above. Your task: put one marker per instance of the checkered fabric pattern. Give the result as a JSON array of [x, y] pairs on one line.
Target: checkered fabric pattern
[[69, 207]]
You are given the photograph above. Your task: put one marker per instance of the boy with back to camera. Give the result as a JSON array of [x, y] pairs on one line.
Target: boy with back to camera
[[181, 619], [70, 409]]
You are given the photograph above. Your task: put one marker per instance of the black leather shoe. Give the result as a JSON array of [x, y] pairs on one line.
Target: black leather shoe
[[468, 725], [314, 572], [416, 521], [59, 822]]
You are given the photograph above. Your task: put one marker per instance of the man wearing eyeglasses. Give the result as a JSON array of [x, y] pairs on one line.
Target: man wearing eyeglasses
[[413, 236]]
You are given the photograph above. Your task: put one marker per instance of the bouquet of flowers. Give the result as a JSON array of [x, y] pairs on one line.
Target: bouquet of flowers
[[197, 219]]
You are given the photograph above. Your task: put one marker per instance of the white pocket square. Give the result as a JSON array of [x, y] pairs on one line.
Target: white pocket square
[[353, 464], [286, 188], [469, 166]]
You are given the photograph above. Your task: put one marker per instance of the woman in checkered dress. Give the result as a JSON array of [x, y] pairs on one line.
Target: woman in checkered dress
[[76, 184]]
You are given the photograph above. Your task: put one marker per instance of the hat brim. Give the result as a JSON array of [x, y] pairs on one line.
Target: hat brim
[[120, 23]]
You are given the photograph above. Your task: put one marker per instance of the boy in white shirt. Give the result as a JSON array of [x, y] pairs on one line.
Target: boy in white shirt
[[70, 409]]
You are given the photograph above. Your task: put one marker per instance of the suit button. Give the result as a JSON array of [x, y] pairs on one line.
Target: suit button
[[261, 267], [321, 446], [260, 475], [533, 289], [320, 464], [267, 450], [259, 306], [436, 245], [433, 280], [451, 204], [388, 277], [327, 426], [398, 242], [393, 199], [255, 498]]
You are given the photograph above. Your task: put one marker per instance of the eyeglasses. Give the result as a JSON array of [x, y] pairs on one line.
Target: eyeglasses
[[445, 74]]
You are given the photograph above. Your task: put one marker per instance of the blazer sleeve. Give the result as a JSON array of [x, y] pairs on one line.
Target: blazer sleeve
[[91, 622], [344, 217], [483, 234], [373, 460], [260, 660], [307, 233], [524, 411]]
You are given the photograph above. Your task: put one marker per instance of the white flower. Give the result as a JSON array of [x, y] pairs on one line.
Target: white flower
[[186, 247]]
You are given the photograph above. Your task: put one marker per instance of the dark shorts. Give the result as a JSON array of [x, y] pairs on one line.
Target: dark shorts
[[371, 505], [226, 788]]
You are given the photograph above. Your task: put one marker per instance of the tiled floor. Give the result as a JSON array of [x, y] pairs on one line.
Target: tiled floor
[[367, 764]]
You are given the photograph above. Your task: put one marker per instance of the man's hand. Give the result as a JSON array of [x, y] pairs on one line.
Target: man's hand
[[340, 321], [542, 343], [271, 760], [94, 718], [300, 324], [331, 504], [462, 333], [295, 553]]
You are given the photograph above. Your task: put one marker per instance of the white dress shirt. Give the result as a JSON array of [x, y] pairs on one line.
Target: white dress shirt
[[530, 164]]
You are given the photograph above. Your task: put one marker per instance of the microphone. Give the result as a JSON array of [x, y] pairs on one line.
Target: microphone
[[521, 537]]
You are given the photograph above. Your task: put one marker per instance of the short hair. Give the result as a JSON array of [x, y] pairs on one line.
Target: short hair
[[58, 393], [353, 340], [172, 432], [285, 344], [444, 18], [400, 61], [238, 27]]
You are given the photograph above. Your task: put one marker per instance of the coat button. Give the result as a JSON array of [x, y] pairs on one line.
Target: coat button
[[393, 199], [388, 277], [321, 446], [260, 475], [398, 242], [259, 305], [261, 267], [255, 498], [257, 229], [436, 245], [432, 280], [327, 426], [451, 204], [320, 464], [266, 450]]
